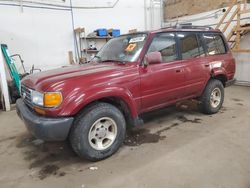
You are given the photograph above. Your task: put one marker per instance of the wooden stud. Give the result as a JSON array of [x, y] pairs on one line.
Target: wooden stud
[[230, 19], [226, 13], [240, 51], [244, 28], [79, 30], [237, 45], [231, 33], [245, 11], [235, 34], [71, 58]]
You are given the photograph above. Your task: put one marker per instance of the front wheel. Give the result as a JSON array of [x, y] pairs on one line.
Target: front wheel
[[98, 132], [212, 97]]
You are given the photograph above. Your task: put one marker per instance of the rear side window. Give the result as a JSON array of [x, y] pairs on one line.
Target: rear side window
[[164, 43], [215, 44], [190, 47]]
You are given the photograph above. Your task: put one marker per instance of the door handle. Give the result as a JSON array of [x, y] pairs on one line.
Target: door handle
[[207, 65], [178, 70]]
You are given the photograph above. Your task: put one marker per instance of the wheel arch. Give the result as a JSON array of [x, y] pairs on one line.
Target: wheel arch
[[119, 103], [128, 108], [220, 74], [220, 77]]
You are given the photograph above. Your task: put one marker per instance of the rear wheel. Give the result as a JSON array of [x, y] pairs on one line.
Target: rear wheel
[[98, 132], [212, 97]]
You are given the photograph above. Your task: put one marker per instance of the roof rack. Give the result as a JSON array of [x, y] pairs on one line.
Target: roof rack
[[188, 26]]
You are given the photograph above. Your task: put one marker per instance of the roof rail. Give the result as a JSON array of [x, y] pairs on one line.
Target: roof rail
[[188, 26]]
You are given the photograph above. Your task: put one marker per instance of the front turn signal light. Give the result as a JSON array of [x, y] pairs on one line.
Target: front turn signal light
[[52, 99], [39, 110]]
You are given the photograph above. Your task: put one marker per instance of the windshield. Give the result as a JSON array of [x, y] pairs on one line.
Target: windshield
[[125, 48]]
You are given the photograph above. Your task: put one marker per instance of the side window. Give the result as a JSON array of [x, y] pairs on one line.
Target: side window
[[190, 46], [215, 44], [165, 44]]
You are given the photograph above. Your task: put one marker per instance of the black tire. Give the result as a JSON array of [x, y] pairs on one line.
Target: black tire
[[79, 135], [206, 105]]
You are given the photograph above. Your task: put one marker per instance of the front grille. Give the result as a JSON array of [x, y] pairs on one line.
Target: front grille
[[26, 95]]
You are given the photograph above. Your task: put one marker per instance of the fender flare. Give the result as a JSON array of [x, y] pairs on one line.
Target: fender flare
[[83, 98], [219, 71]]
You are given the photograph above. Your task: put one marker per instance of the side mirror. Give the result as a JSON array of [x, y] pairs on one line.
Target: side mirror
[[153, 58]]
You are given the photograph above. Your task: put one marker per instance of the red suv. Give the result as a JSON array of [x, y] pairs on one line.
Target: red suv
[[92, 104]]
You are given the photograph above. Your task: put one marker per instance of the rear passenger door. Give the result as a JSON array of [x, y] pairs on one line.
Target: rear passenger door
[[193, 57]]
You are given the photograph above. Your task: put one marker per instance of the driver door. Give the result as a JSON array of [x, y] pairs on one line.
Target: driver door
[[162, 83]]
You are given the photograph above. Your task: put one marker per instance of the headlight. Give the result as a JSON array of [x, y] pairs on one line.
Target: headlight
[[37, 98], [48, 99], [52, 99]]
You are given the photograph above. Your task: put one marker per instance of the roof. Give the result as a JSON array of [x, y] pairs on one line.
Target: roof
[[190, 28], [184, 28]]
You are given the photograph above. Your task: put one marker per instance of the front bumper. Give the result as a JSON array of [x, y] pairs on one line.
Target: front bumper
[[44, 128]]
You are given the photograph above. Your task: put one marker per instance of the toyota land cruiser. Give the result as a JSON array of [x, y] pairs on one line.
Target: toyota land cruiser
[[92, 104]]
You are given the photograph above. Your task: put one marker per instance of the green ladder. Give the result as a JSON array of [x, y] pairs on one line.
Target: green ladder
[[11, 65]]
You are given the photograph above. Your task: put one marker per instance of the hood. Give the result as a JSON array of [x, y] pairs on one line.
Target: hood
[[43, 80]]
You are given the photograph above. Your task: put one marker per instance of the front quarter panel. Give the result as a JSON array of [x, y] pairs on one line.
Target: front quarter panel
[[74, 105], [123, 83]]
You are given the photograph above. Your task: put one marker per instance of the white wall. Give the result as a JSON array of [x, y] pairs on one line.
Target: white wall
[[127, 14], [44, 37], [243, 61]]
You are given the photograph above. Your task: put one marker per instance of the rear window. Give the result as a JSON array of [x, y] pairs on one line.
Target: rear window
[[190, 46], [215, 44]]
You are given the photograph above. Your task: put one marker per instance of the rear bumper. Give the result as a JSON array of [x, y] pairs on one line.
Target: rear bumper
[[230, 82], [44, 128]]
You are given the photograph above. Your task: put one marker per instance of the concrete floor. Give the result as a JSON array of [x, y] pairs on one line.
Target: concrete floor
[[174, 149]]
